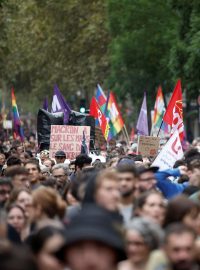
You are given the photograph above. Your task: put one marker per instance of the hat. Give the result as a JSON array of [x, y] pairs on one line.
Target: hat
[[60, 153], [142, 169], [98, 224], [125, 160]]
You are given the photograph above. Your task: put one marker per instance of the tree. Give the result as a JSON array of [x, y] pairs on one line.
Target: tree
[[142, 34], [63, 42]]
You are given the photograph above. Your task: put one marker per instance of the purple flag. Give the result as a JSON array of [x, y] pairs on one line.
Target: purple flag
[[142, 123], [45, 104], [60, 105]]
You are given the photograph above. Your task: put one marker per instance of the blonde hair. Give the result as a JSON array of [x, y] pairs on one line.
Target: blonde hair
[[50, 202]]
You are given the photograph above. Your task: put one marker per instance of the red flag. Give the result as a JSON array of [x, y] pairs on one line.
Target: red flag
[[174, 112], [96, 113]]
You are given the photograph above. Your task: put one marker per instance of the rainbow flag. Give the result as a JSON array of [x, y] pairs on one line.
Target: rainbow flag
[[109, 108], [17, 128], [115, 119]]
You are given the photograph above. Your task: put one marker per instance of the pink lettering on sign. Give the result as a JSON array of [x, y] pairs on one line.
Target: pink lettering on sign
[[68, 139]]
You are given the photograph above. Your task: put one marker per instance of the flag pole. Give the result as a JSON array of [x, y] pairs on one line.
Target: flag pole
[[126, 133], [160, 128]]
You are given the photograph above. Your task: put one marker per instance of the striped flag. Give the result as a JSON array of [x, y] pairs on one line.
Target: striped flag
[[17, 128]]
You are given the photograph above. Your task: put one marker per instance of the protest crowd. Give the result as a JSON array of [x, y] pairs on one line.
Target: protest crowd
[[115, 209]]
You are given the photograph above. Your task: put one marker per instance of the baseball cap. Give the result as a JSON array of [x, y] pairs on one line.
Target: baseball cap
[[60, 153]]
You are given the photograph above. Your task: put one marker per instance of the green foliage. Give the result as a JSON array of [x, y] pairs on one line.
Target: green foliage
[[141, 38], [63, 42]]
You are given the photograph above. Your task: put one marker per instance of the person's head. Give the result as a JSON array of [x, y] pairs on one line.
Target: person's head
[[13, 160], [24, 157], [43, 244], [2, 159], [106, 192], [60, 156], [194, 172], [128, 179], [94, 240], [44, 154], [5, 190], [82, 161], [72, 167], [179, 246], [15, 258], [21, 197], [18, 175], [147, 178], [182, 209], [142, 237], [16, 217], [46, 203], [33, 169], [60, 172], [48, 163], [151, 204]]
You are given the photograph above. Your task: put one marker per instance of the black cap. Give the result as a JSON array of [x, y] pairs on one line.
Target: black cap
[[60, 153], [95, 223], [142, 169]]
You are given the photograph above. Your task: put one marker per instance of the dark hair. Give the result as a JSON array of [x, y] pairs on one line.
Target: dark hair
[[49, 182], [10, 256], [178, 163], [5, 181], [15, 170], [82, 159], [35, 162], [37, 240], [191, 154], [141, 200], [177, 228], [178, 208], [12, 206], [127, 168], [13, 160], [194, 164], [14, 195]]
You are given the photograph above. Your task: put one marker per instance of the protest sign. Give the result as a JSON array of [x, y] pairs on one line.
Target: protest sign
[[171, 152], [68, 139], [148, 146], [7, 124]]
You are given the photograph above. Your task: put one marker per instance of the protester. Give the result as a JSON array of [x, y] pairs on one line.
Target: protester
[[102, 189], [181, 209], [18, 175], [151, 204], [46, 205], [60, 173], [16, 217], [60, 157], [142, 237], [5, 190], [21, 197], [93, 241], [178, 252], [128, 186], [44, 243], [33, 169]]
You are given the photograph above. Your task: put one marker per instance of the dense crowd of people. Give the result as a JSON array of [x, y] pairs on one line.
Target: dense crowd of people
[[85, 214]]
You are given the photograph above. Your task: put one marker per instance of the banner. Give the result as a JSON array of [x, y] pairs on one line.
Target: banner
[[171, 152], [148, 146], [68, 139]]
